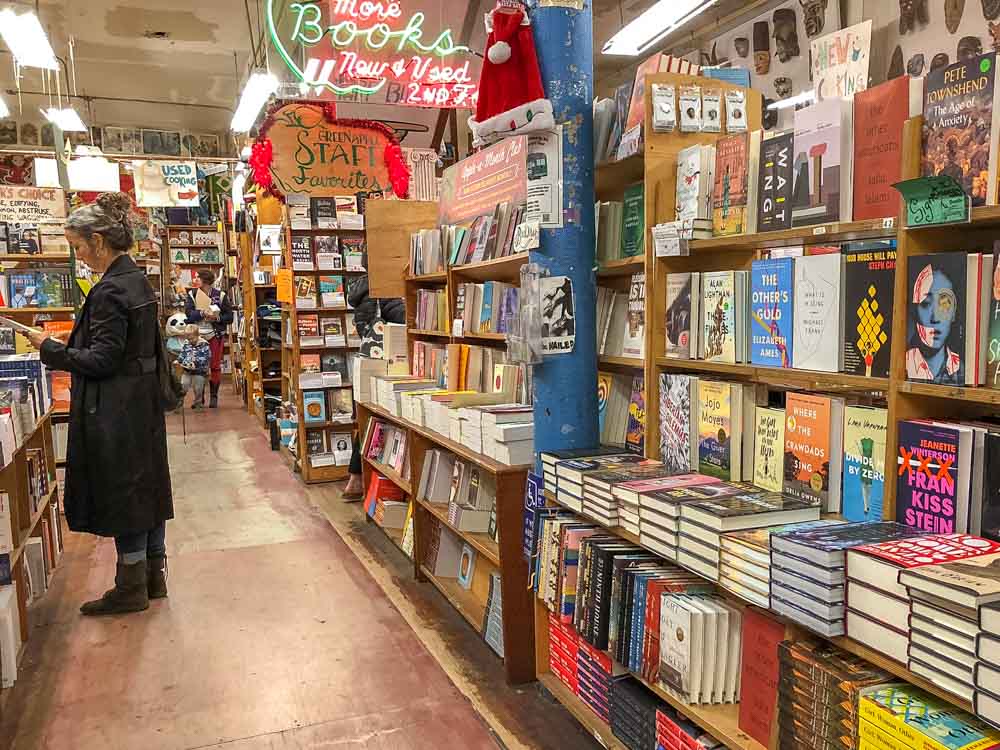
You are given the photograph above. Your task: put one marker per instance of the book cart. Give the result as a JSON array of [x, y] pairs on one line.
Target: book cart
[[33, 515], [292, 350], [903, 399]]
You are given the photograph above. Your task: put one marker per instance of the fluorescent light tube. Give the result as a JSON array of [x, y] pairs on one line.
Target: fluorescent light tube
[[67, 119], [4, 110], [27, 40], [649, 28], [803, 97], [257, 91]]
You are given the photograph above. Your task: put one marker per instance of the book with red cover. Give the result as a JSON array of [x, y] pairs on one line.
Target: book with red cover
[[915, 551], [655, 588], [759, 673], [879, 114], [380, 488], [729, 194]]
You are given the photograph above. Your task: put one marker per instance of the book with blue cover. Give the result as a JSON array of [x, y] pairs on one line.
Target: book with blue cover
[[865, 435], [771, 311], [486, 313], [314, 406]]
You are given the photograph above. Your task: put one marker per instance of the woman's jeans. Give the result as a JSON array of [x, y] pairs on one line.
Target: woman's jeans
[[133, 548]]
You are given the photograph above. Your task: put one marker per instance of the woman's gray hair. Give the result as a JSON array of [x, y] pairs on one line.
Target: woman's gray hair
[[108, 217]]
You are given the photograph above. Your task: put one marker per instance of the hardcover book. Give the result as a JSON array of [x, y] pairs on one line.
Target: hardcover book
[[774, 201], [715, 430], [682, 308], [932, 466], [913, 718], [729, 194], [827, 546], [635, 327], [635, 431], [869, 285], [302, 257], [719, 316], [864, 463], [633, 221], [695, 166], [879, 114], [769, 443], [675, 421], [989, 521], [935, 321], [960, 130], [771, 311], [971, 582], [817, 319], [818, 163], [810, 441]]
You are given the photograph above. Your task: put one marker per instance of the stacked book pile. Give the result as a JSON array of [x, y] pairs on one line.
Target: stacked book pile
[[493, 620], [564, 645], [551, 458], [879, 603], [609, 493], [703, 521], [901, 716], [509, 433], [745, 560], [390, 388], [809, 571], [660, 509], [986, 699], [596, 673], [633, 713], [674, 732], [570, 474], [818, 694]]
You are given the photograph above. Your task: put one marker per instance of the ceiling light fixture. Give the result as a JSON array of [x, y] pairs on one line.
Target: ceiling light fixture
[[803, 97], [652, 26], [4, 109], [67, 119], [255, 94], [27, 40]]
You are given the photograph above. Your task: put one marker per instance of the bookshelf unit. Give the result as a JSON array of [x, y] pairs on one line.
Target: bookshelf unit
[[291, 354], [28, 521], [505, 556]]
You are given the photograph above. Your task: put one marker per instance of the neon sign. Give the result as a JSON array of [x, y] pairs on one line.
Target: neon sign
[[369, 47]]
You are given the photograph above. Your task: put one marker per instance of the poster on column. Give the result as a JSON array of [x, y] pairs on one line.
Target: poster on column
[[169, 184], [558, 314], [476, 186], [31, 205], [545, 179]]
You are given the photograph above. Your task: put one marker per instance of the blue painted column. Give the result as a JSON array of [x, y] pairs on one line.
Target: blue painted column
[[566, 384]]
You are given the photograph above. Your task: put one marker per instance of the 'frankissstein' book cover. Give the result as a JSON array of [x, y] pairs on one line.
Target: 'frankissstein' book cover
[[864, 463], [926, 480], [774, 200], [869, 284], [771, 312]]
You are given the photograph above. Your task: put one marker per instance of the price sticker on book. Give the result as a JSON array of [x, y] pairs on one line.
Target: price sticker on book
[[934, 201]]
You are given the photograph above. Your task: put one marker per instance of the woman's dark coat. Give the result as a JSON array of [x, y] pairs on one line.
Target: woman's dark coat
[[117, 475], [365, 307]]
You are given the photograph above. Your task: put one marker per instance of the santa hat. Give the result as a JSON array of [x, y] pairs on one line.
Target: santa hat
[[511, 98]]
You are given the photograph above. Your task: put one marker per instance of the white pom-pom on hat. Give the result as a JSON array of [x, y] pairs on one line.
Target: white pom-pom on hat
[[498, 53]]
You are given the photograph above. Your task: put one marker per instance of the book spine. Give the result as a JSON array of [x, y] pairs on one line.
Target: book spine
[[873, 738], [599, 613]]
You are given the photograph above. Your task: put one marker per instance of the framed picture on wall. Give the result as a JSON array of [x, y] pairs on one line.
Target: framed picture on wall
[[161, 142], [8, 132], [30, 134]]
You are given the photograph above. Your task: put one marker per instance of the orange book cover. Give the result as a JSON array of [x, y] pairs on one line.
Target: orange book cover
[[637, 106], [807, 445], [60, 391], [463, 367]]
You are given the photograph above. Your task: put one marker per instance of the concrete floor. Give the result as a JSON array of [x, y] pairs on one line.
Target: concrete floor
[[290, 624]]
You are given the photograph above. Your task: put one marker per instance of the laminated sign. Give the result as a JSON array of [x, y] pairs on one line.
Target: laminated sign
[[558, 314]]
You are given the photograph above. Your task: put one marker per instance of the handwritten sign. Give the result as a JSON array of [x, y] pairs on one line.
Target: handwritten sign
[[31, 205], [932, 201], [168, 184], [840, 61], [284, 281], [324, 158], [475, 186]]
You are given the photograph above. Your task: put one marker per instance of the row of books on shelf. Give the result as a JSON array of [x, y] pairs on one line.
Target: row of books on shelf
[[195, 255], [432, 310], [488, 237], [621, 226], [40, 556], [16, 514], [26, 238], [463, 367], [386, 444], [490, 307], [649, 617], [426, 254], [320, 291], [468, 492], [621, 319], [51, 287], [386, 504], [333, 212], [621, 414], [333, 331], [331, 404], [327, 447], [328, 253]]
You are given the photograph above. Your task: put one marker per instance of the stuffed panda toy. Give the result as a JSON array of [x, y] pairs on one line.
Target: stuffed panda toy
[[176, 329]]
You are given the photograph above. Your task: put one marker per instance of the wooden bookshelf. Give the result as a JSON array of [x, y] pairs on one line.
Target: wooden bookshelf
[[504, 556], [499, 269], [623, 267], [35, 257], [394, 476]]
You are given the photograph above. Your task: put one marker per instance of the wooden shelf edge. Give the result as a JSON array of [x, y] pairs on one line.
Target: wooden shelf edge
[[440, 512], [35, 519], [977, 394], [634, 362], [475, 619], [622, 266], [814, 234], [391, 474], [805, 379], [427, 277], [580, 711]]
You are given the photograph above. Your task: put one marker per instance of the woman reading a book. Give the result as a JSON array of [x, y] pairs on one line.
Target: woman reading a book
[[117, 475]]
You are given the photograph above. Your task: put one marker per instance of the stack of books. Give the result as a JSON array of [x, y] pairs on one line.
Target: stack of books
[[633, 713], [659, 509], [551, 458], [600, 499], [508, 433], [564, 645], [596, 673], [899, 715], [674, 732], [570, 475], [879, 603], [986, 641], [818, 693], [745, 560], [493, 624], [809, 571], [703, 521]]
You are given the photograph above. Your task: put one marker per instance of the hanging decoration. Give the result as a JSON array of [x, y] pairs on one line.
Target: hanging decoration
[[304, 147]]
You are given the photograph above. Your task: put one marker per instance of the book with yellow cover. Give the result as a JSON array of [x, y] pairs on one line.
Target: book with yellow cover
[[716, 454], [917, 719], [769, 448]]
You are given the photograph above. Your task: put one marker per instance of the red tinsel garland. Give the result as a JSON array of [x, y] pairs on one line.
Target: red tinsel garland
[[262, 153]]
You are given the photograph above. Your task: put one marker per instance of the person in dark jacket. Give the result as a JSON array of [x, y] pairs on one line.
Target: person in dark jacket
[[212, 323], [117, 475], [369, 313]]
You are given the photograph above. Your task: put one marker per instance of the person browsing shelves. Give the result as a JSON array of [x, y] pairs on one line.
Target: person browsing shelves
[[211, 310]]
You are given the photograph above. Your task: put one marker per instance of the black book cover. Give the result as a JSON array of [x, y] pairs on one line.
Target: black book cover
[[935, 320], [774, 203], [869, 283], [990, 527]]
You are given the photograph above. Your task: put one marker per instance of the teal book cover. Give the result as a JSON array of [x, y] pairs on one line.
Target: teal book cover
[[634, 221], [864, 463], [486, 313], [314, 406]]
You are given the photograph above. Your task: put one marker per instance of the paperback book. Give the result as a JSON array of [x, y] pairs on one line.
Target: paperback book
[[771, 311], [774, 203], [864, 463], [729, 195], [869, 285]]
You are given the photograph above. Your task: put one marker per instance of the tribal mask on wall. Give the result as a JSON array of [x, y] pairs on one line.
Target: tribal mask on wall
[[813, 16], [786, 36]]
